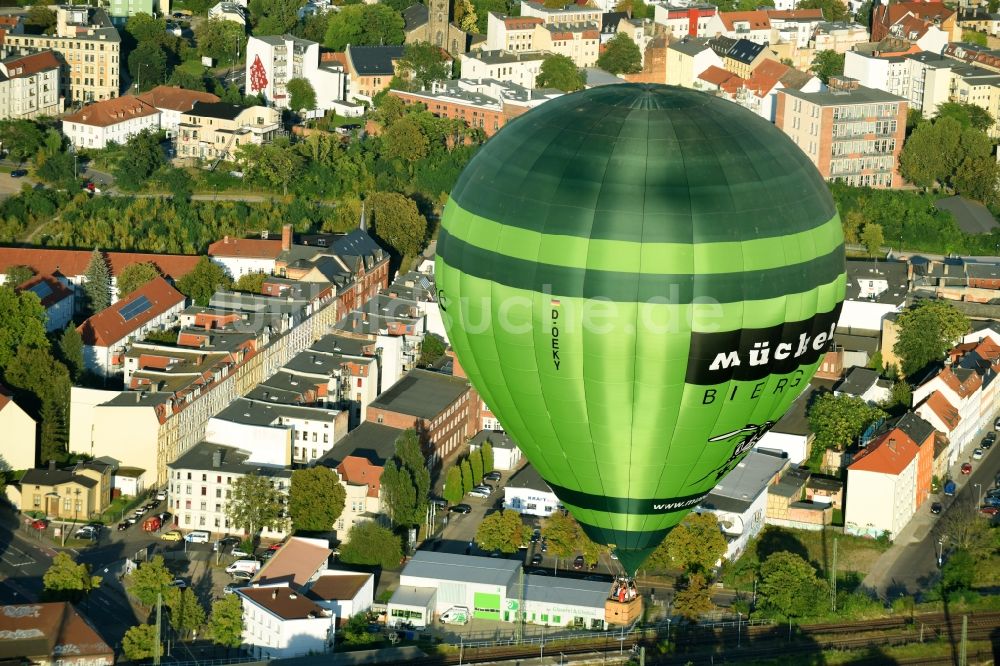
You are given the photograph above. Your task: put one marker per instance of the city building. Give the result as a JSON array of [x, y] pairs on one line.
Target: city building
[[19, 429], [433, 23], [362, 479], [297, 562], [45, 633], [951, 400], [90, 48], [527, 493], [518, 67], [228, 11], [851, 133], [370, 69], [572, 31], [280, 622], [506, 454], [440, 407], [864, 383], [29, 86], [214, 131], [687, 19], [107, 334], [343, 593], [172, 101], [923, 78], [274, 60], [752, 25], [759, 91], [110, 121], [77, 494], [795, 26], [121, 10], [875, 290], [744, 57], [791, 436], [201, 482], [57, 298], [910, 20], [843, 36], [687, 59]]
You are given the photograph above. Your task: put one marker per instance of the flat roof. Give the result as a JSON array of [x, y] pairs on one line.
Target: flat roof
[[462, 568], [528, 477], [972, 216], [859, 95], [259, 413], [408, 595], [750, 477], [233, 461], [498, 439], [374, 441], [564, 591], [422, 394]]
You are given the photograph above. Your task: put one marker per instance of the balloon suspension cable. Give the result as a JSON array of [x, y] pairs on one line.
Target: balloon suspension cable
[[623, 589]]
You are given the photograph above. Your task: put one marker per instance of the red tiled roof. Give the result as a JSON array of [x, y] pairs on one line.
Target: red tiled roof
[[758, 19], [285, 602], [108, 326], [716, 75], [522, 22], [71, 263], [767, 74], [889, 454], [111, 112], [175, 98], [792, 14], [361, 472], [5, 396], [925, 10], [295, 562], [944, 410], [35, 632], [57, 290], [952, 381], [257, 248], [30, 64]]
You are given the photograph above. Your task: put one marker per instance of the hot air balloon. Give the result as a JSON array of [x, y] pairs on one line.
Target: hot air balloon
[[639, 280]]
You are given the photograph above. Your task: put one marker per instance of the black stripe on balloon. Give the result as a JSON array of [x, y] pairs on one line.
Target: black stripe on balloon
[[629, 287], [626, 505]]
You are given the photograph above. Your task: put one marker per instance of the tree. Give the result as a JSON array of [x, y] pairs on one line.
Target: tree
[[42, 386], [562, 533], [225, 624], [56, 169], [147, 64], [405, 140], [273, 17], [423, 63], [788, 586], [838, 421], [900, 394], [968, 115], [17, 275], [140, 642], [502, 531], [833, 10], [186, 612], [466, 19], [204, 280], [411, 459], [695, 545], [143, 27], [150, 580], [41, 17], [958, 572], [476, 461], [621, 56], [274, 164], [254, 505], [20, 139], [693, 598], [918, 160], [370, 543], [864, 15], [315, 499], [183, 78], [453, 490], [827, 64], [976, 178], [22, 323], [431, 349], [364, 25], [561, 73], [219, 39], [487, 449], [141, 157], [467, 482], [301, 96], [555, 4], [65, 580], [251, 283], [71, 351], [398, 222], [926, 330], [873, 238], [136, 275], [97, 285]]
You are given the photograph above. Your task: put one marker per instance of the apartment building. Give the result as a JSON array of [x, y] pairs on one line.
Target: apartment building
[[171, 102], [850, 132], [29, 86], [110, 121], [687, 20], [19, 429], [89, 45], [517, 67], [570, 14], [274, 60], [121, 10], [752, 25], [839, 37], [214, 131], [369, 69], [281, 622], [925, 79], [552, 31]]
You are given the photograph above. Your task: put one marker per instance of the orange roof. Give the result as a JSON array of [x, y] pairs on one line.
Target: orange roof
[[716, 75], [889, 454], [30, 64], [257, 248], [295, 562], [944, 410], [175, 98], [109, 325], [5, 396], [767, 74], [360, 471], [925, 10], [793, 14], [112, 111], [951, 380], [56, 291], [45, 261], [758, 19], [522, 22]]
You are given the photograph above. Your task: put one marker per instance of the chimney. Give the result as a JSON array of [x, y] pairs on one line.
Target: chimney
[[892, 444], [286, 237], [274, 594], [217, 458], [52, 465]]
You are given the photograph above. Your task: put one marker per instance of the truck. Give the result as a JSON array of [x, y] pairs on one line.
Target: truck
[[151, 524], [455, 615], [949, 488]]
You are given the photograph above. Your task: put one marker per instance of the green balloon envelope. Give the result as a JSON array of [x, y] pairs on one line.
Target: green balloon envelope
[[639, 280]]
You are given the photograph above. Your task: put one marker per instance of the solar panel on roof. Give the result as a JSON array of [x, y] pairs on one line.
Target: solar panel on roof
[[135, 308], [42, 290]]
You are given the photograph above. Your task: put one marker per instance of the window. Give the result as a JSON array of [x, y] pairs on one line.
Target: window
[[189, 478], [187, 504], [204, 505], [218, 479], [187, 489], [218, 493], [204, 491]]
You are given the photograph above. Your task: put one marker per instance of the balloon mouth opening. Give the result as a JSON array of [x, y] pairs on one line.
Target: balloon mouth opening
[[632, 558]]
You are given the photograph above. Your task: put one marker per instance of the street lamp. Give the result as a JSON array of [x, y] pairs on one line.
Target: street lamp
[[940, 552], [979, 493]]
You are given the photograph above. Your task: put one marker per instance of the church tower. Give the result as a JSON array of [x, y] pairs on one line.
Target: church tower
[[437, 22]]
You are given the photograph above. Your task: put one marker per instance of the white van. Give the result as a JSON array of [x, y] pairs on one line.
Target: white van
[[198, 536], [250, 566], [455, 615]]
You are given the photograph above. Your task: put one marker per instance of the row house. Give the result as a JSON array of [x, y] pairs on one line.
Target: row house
[[687, 20], [111, 121], [29, 86], [952, 399], [514, 66], [923, 78], [908, 19]]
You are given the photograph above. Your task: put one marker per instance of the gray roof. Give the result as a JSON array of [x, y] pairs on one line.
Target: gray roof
[[498, 439], [915, 427], [234, 461], [972, 216], [749, 478], [528, 477], [221, 110], [795, 422], [139, 399], [422, 394], [983, 271], [564, 591], [497, 57], [865, 343], [931, 60], [893, 272], [253, 412], [691, 47], [860, 95], [312, 362], [745, 51], [407, 595], [713, 502], [857, 381], [790, 483], [55, 477], [341, 344], [374, 441], [462, 568], [414, 16], [598, 77], [374, 60]]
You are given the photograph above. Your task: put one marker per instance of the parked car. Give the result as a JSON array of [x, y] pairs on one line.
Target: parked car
[[989, 440], [492, 476], [461, 508], [239, 552], [85, 532], [545, 545], [276, 546], [988, 510], [539, 572], [225, 542], [240, 574], [977, 454], [172, 535], [150, 506], [40, 524], [123, 526], [578, 563], [132, 520], [481, 494], [536, 535], [996, 424], [197, 536], [179, 583], [536, 559], [18, 173], [161, 495], [484, 486], [165, 517], [992, 501], [966, 468], [235, 585], [152, 524], [993, 492], [949, 488], [936, 508], [140, 511]]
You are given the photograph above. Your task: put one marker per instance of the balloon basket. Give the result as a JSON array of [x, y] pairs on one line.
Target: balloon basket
[[624, 604]]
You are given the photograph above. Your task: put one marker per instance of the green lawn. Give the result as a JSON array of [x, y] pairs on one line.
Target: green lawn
[[192, 67]]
